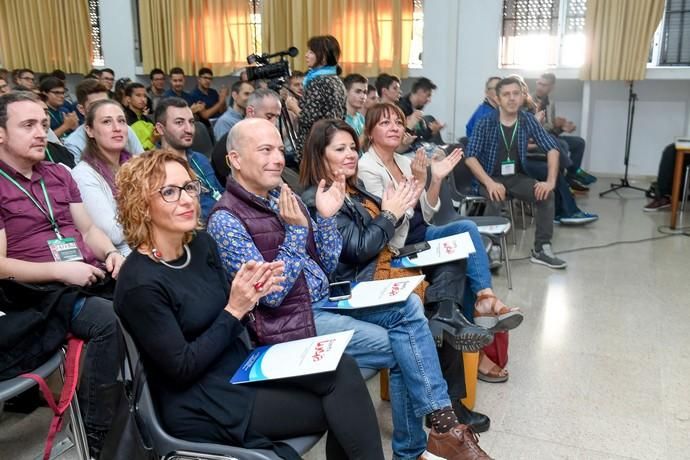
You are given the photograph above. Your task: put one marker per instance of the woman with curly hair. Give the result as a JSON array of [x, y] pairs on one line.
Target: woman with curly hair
[[187, 322]]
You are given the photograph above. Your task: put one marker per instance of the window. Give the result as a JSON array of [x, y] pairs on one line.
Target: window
[[95, 20], [417, 44], [675, 38], [543, 33]]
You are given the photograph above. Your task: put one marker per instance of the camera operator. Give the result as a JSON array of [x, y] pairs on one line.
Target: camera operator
[[324, 92]]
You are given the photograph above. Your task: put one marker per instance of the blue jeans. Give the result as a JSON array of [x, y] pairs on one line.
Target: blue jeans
[[478, 272], [397, 337], [576, 146]]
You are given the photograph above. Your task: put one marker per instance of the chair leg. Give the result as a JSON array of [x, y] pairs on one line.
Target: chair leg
[[522, 212], [512, 222], [686, 183], [383, 385], [77, 424], [506, 259]]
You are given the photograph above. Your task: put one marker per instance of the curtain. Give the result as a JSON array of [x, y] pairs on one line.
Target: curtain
[[619, 34], [46, 37], [192, 34], [374, 35]]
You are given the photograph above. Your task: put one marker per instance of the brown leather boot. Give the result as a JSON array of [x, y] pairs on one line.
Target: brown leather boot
[[460, 443]]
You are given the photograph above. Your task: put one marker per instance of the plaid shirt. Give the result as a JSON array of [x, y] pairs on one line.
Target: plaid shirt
[[485, 138]]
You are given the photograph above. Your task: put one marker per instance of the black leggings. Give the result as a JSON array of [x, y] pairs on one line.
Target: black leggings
[[338, 401]]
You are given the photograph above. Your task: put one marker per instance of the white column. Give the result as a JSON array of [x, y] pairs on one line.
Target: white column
[[117, 36]]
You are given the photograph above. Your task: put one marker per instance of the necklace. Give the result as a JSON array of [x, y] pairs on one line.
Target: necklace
[[158, 256]]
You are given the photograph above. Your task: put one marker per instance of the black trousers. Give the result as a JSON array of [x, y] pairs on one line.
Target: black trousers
[[666, 165], [338, 401]]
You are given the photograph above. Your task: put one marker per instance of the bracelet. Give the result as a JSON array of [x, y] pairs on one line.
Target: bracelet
[[107, 254]]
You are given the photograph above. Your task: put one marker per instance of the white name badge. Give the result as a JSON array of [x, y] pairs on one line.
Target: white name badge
[[507, 168], [65, 250]]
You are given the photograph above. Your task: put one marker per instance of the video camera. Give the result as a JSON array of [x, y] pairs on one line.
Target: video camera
[[267, 70]]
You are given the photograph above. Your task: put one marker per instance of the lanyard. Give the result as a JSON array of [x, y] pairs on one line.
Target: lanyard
[[55, 117], [512, 138], [49, 213], [202, 176], [50, 157]]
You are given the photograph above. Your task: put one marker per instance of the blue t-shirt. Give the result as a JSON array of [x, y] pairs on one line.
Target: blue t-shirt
[[210, 98], [356, 121], [184, 95]]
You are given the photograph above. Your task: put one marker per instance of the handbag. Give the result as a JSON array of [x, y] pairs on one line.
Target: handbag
[[128, 438], [497, 351]]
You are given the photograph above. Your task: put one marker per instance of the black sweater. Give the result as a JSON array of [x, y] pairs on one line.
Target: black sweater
[[189, 345]]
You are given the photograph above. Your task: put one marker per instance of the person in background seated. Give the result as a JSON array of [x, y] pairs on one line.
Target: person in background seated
[[241, 90], [214, 101], [107, 78], [367, 224], [40, 207], [296, 84], [24, 80], [372, 99], [4, 86], [55, 151], [106, 127], [496, 154], [388, 88], [425, 128], [89, 91], [175, 124], [324, 92], [555, 125], [259, 219], [53, 93], [157, 89], [356, 87], [263, 103], [177, 81], [136, 111], [174, 286], [487, 107], [664, 180]]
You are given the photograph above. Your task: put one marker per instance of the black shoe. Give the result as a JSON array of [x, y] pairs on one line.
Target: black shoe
[[479, 422], [449, 325]]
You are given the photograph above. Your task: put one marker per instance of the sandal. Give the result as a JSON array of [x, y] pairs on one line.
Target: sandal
[[497, 321], [494, 375]]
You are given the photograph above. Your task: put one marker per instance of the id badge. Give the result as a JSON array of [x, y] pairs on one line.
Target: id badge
[[65, 250], [507, 168]]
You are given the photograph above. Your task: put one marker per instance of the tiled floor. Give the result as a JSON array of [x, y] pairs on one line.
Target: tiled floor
[[600, 368]]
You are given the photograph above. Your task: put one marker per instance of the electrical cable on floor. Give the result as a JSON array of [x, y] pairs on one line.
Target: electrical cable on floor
[[664, 229]]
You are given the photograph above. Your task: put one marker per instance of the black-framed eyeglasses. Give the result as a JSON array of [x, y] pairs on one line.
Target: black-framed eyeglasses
[[172, 193]]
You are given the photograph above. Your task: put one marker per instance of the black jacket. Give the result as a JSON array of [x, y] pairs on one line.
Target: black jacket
[[365, 237]]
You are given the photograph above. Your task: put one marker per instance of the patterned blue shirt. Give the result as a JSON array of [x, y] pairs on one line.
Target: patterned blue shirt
[[236, 247], [484, 141]]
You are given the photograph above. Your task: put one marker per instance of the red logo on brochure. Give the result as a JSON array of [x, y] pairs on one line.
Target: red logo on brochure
[[321, 348]]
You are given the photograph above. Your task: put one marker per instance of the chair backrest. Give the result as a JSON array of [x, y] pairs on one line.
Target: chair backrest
[[463, 178], [202, 141], [165, 444], [446, 213]]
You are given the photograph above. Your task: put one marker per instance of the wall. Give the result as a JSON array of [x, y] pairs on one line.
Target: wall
[[461, 43], [471, 29]]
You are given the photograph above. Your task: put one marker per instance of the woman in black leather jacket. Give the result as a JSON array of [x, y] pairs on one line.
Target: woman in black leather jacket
[[365, 240]]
